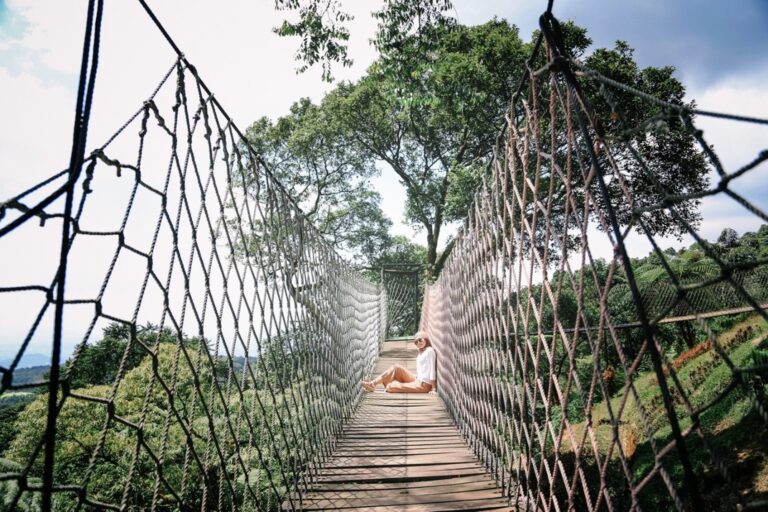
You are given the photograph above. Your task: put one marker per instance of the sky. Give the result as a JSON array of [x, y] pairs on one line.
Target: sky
[[715, 48], [719, 50]]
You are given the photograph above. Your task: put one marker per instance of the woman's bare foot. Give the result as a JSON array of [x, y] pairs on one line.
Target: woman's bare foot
[[368, 386]]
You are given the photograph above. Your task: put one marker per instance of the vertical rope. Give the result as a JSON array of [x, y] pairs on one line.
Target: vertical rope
[[259, 334], [79, 138], [235, 396], [531, 336]]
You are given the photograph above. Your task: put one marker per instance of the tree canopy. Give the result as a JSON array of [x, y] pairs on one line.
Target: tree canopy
[[138, 423], [431, 107], [321, 27], [328, 178]]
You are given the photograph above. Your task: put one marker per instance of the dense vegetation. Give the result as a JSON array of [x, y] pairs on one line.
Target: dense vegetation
[[127, 372], [693, 350], [163, 394]]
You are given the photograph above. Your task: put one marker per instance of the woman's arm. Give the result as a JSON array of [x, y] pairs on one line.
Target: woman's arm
[[431, 356]]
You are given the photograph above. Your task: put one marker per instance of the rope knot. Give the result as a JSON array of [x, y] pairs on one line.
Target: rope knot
[[559, 64]]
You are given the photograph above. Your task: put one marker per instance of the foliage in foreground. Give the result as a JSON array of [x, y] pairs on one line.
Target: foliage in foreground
[[626, 413], [173, 430], [430, 110]]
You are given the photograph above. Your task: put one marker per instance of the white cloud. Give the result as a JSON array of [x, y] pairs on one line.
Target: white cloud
[[735, 142], [33, 132], [252, 73], [53, 30]]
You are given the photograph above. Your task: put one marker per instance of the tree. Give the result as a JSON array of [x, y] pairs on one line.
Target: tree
[[146, 438], [325, 176], [399, 251], [28, 501], [673, 164], [11, 404], [99, 363], [84, 428], [322, 32], [430, 109], [728, 238], [431, 119], [321, 27]]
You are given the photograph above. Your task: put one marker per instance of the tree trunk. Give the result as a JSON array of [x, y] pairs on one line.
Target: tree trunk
[[443, 257], [431, 254], [688, 333]]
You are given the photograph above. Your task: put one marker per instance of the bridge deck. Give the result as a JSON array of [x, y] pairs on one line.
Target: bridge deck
[[402, 453]]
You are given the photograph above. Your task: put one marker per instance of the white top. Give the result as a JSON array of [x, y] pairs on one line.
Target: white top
[[425, 366]]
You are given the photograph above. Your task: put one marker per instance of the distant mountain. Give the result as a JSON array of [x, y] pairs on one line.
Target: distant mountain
[[238, 362], [27, 360], [30, 375]]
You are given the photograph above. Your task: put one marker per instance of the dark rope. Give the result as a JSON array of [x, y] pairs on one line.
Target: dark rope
[[522, 302], [79, 138], [550, 27], [261, 333]]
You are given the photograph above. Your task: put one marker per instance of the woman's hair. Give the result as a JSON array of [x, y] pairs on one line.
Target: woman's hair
[[422, 335]]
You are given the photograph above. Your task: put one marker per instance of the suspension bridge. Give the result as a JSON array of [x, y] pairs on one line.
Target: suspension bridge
[[243, 337]]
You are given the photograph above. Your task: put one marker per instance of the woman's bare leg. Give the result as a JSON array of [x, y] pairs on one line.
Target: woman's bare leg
[[409, 387], [395, 373]]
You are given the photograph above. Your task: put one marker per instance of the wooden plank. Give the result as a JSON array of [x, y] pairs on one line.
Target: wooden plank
[[407, 469], [472, 506], [375, 441], [402, 431], [374, 450], [438, 484], [397, 475], [443, 448], [466, 498], [400, 452], [388, 460]]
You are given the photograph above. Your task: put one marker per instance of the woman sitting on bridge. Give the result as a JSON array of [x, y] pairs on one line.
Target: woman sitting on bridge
[[398, 379]]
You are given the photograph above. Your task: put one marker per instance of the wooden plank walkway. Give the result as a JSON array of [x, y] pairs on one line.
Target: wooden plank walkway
[[401, 452]]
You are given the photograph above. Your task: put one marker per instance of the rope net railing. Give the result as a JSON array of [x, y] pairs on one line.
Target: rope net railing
[[212, 342], [404, 286], [566, 409]]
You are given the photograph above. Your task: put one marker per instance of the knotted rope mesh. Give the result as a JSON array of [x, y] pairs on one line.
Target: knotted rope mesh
[[219, 341], [553, 351], [404, 287]]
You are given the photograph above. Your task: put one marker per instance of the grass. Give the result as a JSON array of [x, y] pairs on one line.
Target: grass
[[731, 426]]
